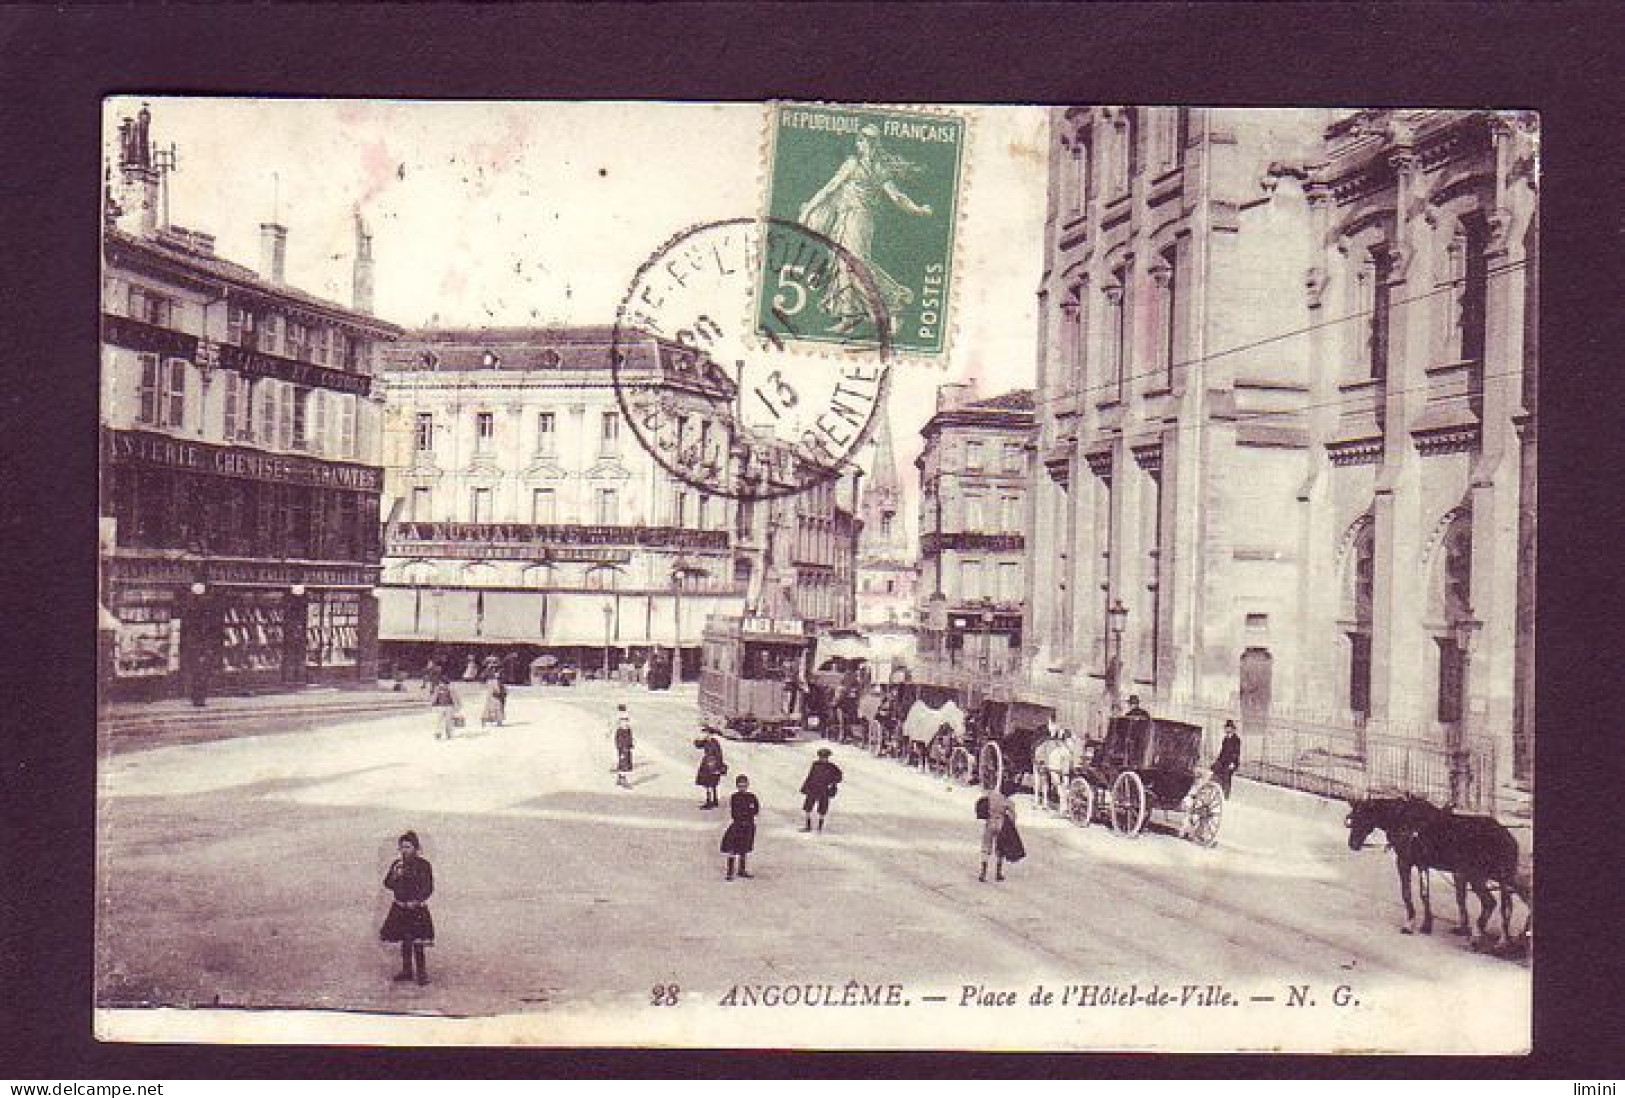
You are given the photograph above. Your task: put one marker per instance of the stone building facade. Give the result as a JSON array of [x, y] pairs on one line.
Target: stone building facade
[[526, 515], [974, 483], [1286, 389], [240, 476]]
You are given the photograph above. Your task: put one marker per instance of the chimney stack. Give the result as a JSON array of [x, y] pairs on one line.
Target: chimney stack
[[273, 251], [138, 174], [361, 286]]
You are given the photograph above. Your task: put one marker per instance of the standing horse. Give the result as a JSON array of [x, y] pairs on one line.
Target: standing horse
[[1476, 850]]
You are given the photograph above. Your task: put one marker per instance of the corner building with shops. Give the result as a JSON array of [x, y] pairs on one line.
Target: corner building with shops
[[525, 515], [240, 484], [974, 482], [1286, 429]]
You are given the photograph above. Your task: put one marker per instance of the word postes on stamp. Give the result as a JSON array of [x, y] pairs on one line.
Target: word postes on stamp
[[730, 401], [883, 184]]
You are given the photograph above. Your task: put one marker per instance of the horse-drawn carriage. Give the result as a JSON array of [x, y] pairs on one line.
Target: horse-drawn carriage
[[1146, 765], [1002, 736]]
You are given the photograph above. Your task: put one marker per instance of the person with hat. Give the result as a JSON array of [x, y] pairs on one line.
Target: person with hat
[[712, 768], [411, 879], [823, 777], [621, 730], [740, 838], [1135, 709], [1229, 760]]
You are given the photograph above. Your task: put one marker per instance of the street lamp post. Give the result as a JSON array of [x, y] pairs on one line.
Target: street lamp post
[[987, 640], [609, 614], [199, 683], [1466, 630], [1117, 617]]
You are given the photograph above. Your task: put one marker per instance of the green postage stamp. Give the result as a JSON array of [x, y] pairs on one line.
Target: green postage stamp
[[882, 184]]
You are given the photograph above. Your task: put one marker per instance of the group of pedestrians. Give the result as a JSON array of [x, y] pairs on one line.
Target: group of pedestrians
[[444, 703]]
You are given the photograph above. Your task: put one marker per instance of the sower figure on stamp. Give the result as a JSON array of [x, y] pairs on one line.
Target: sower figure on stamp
[[712, 768], [411, 879], [622, 732], [740, 838], [1229, 759], [823, 777], [845, 209]]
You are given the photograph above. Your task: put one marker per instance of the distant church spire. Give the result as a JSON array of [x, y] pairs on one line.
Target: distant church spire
[[883, 537]]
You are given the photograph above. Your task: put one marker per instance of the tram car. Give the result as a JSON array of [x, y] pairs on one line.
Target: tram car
[[751, 676]]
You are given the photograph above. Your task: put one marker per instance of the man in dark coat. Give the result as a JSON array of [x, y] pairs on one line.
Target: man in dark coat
[[1229, 760], [623, 746], [1135, 709], [822, 779]]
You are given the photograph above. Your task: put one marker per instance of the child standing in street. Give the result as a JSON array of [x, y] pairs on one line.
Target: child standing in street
[[444, 704], [740, 838], [623, 746], [411, 879], [712, 768]]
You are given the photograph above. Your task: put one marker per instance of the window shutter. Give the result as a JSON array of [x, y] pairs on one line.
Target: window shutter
[[267, 432], [148, 412], [347, 414], [285, 435]]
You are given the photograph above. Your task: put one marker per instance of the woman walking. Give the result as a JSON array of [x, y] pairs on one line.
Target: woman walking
[[444, 704], [740, 838], [411, 879], [1000, 839], [712, 768], [496, 702]]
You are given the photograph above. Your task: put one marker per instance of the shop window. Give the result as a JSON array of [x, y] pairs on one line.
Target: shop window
[[147, 644], [251, 634], [333, 629]]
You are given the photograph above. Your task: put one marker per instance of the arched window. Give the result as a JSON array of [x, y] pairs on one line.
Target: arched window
[[419, 573], [479, 574], [537, 575]]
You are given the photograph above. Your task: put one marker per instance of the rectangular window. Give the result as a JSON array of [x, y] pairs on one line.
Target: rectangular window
[[423, 432], [150, 307], [970, 580], [480, 505], [348, 412], [147, 411], [1014, 461], [1009, 582], [679, 509], [270, 334], [285, 425], [543, 506], [301, 418], [1360, 673], [611, 433], [1013, 518], [702, 520], [1450, 681], [296, 340], [1168, 315], [973, 456], [485, 431], [1378, 294], [268, 407], [233, 393], [245, 410], [174, 408], [547, 435], [239, 326], [421, 503], [608, 509], [973, 512]]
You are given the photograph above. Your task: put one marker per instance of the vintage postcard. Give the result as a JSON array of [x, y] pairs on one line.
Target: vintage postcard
[[817, 576]]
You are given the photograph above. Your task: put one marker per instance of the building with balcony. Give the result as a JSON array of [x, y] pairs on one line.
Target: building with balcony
[[240, 478], [1285, 430], [973, 521], [526, 516]]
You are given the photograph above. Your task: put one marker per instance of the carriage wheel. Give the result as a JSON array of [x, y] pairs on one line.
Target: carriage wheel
[[1128, 804], [961, 767], [1206, 810], [1080, 802], [990, 766]]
